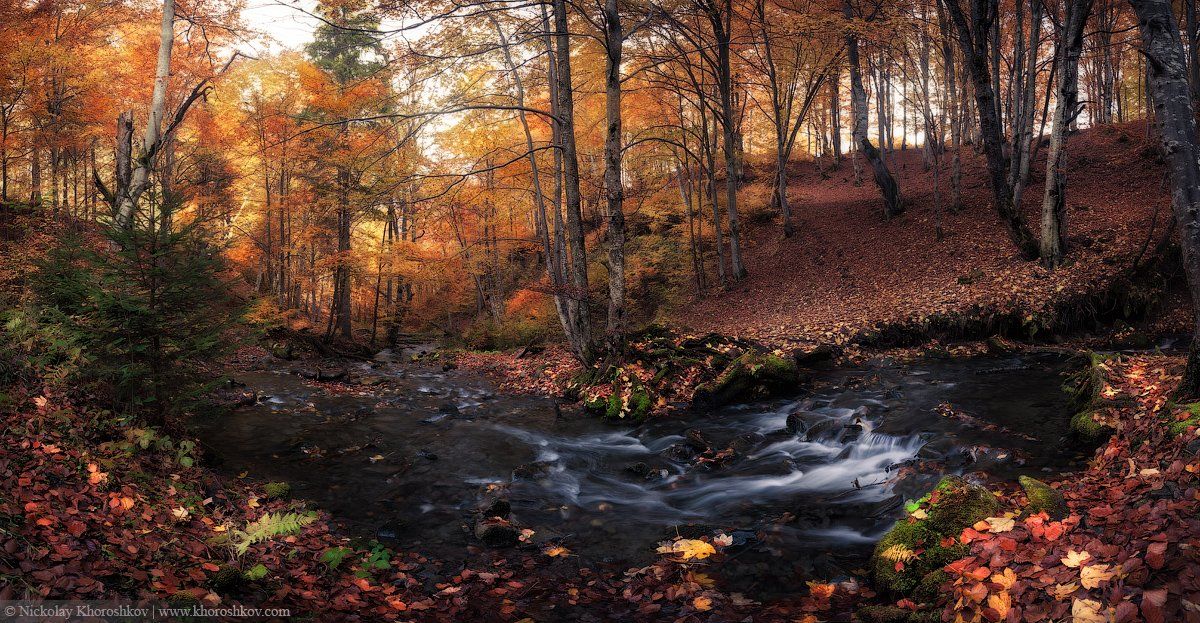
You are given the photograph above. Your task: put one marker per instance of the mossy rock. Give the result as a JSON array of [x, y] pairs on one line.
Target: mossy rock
[[630, 399], [753, 375], [960, 504], [1087, 430], [1178, 427], [930, 587], [276, 490], [1043, 497], [283, 350], [912, 550], [896, 614]]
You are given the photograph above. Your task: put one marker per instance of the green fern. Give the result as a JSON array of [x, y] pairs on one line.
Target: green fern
[[269, 526]]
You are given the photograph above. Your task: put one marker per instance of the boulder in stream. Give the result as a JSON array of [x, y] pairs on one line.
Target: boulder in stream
[[897, 567], [531, 471], [495, 506], [496, 532], [753, 375]]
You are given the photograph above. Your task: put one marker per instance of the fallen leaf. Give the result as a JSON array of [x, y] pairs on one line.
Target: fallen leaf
[[1074, 559], [1093, 576], [1088, 611], [688, 549], [1000, 524]]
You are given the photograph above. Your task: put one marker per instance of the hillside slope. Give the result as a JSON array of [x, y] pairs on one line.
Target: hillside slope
[[848, 272]]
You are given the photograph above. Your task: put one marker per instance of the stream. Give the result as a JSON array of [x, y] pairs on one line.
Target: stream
[[408, 454]]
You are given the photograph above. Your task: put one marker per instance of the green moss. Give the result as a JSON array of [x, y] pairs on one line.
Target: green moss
[[752, 375], [276, 490], [930, 587], [228, 579], [1178, 427], [960, 504], [883, 614], [630, 398], [1043, 497], [912, 549], [1087, 430]]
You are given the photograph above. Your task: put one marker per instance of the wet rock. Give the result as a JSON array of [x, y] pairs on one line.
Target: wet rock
[[448, 366], [850, 433], [795, 423], [822, 430], [746, 442], [333, 375], [753, 375], [496, 532], [449, 408], [679, 452], [947, 451], [495, 506], [821, 354], [371, 381], [639, 469], [695, 440], [427, 455], [392, 530], [531, 471], [234, 398]]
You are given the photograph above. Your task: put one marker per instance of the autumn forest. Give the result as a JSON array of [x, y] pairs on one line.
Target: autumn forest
[[611, 310]]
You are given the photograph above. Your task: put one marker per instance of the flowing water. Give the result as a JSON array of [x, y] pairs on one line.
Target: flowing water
[[410, 460]]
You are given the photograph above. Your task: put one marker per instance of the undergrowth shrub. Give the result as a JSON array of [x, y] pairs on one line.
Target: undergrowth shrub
[[123, 320]]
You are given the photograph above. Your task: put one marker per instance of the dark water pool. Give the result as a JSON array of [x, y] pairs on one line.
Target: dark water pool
[[410, 459]]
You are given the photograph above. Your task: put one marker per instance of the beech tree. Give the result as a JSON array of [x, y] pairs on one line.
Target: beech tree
[[1169, 86], [1066, 109], [978, 44], [892, 203]]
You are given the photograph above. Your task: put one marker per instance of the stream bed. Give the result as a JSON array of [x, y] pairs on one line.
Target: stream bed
[[408, 454]]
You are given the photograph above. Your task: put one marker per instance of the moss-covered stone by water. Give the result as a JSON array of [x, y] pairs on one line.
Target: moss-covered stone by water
[[1043, 497], [912, 550]]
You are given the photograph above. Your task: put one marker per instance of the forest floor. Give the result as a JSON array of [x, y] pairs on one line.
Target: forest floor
[[847, 274]]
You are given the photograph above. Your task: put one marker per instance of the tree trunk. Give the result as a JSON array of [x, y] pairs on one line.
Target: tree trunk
[[578, 295], [1023, 110], [614, 40], [835, 115], [892, 204], [1177, 125], [1054, 202], [140, 177], [973, 38], [721, 21]]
